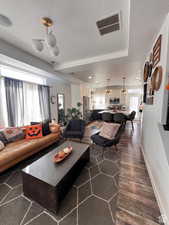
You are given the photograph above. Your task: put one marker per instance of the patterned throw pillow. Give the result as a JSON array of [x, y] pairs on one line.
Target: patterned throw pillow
[[13, 134], [2, 146], [109, 130], [34, 131], [45, 127], [3, 138]]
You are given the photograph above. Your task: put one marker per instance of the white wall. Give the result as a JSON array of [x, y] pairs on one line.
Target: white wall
[[60, 88], [85, 90], [76, 95], [2, 120], [153, 144], [102, 102]]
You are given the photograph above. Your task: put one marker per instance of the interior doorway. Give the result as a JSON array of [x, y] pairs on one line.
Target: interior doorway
[[134, 105]]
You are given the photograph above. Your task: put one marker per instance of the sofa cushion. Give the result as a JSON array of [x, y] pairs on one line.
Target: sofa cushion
[[34, 131], [54, 127], [3, 138], [13, 134], [45, 127], [17, 149], [2, 146], [109, 130]]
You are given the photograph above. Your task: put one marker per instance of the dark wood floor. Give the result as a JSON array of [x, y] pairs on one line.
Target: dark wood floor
[[136, 201], [113, 189]]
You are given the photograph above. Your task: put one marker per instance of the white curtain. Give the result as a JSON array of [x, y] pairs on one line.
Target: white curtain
[[3, 105], [31, 103], [31, 107]]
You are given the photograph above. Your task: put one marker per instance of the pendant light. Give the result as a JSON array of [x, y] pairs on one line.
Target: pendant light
[[50, 39], [55, 51], [38, 45], [108, 90], [124, 91]]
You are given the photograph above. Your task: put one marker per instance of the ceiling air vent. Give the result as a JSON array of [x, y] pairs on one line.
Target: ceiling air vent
[[109, 24]]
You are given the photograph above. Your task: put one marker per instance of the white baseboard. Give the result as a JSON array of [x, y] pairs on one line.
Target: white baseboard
[[157, 194]]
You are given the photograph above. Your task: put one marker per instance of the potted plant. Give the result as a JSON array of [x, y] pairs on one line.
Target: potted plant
[[74, 113]]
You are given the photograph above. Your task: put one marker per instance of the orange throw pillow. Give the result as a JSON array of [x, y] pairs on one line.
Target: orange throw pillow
[[34, 131]]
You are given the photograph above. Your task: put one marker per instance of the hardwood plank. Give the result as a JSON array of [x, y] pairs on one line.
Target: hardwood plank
[[138, 207], [125, 218]]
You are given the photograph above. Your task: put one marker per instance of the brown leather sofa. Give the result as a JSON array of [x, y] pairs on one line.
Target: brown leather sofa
[[20, 150]]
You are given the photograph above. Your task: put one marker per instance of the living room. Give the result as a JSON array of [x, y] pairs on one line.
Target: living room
[[84, 113]]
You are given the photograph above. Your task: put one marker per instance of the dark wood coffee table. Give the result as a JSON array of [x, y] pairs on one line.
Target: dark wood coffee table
[[47, 182]]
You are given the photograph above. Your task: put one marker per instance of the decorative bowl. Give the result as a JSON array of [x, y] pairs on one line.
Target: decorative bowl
[[61, 155]]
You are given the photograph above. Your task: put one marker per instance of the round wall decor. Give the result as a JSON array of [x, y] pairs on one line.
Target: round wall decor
[[146, 71], [157, 78]]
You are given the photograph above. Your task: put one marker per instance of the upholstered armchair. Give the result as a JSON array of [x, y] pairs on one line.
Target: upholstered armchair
[[75, 129], [104, 142]]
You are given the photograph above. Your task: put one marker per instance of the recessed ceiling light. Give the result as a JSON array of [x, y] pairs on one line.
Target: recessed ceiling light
[[5, 21], [90, 77]]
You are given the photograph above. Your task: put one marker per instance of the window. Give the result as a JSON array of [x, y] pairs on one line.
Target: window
[[22, 102], [31, 103], [135, 91], [3, 108]]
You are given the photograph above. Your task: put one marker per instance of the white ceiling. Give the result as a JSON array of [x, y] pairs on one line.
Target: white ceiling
[[146, 17], [82, 50], [74, 26]]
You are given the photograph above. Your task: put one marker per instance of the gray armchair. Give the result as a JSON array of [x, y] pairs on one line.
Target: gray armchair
[[75, 129], [104, 142]]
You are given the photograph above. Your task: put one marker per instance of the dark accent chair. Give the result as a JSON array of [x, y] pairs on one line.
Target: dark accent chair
[[131, 117], [75, 129], [95, 115], [120, 118], [107, 117], [104, 142]]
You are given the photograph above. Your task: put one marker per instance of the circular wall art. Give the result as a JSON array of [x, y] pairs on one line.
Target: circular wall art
[[146, 71], [157, 78]]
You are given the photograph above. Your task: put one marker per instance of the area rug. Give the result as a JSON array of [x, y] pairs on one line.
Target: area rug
[[90, 130]]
